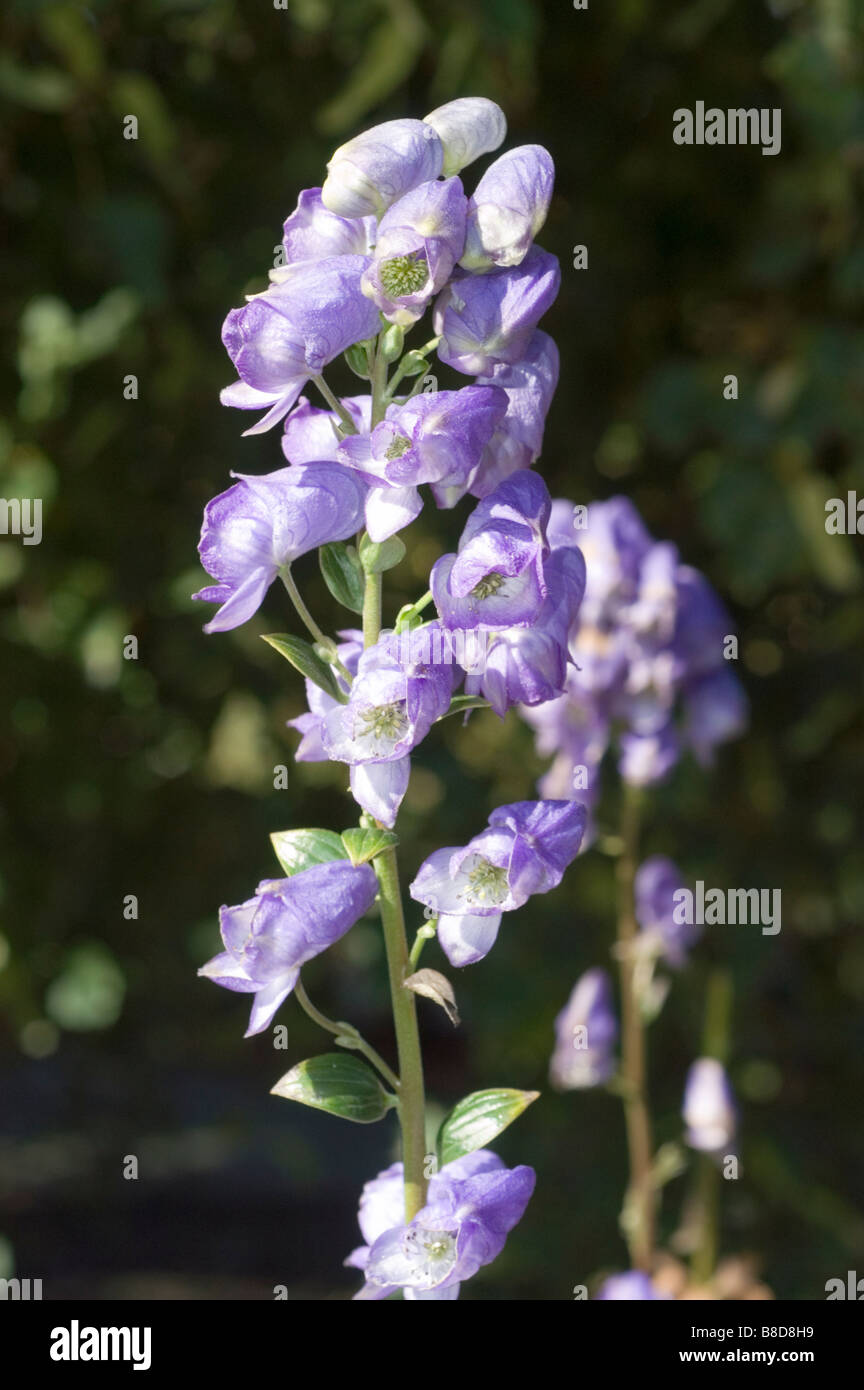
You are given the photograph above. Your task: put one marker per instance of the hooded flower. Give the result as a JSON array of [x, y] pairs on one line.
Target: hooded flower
[[290, 332], [436, 438], [486, 319], [472, 1205], [497, 579], [528, 665], [709, 1107], [395, 698], [530, 385], [419, 241], [525, 850], [657, 882], [366, 175], [313, 232], [467, 128], [262, 524], [508, 208], [585, 1034], [289, 920]]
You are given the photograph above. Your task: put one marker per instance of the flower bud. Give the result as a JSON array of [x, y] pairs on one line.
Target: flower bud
[[367, 174], [467, 128]]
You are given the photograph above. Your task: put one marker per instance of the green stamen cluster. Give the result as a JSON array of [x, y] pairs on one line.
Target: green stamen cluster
[[488, 585], [404, 275], [400, 446], [386, 722], [487, 881]]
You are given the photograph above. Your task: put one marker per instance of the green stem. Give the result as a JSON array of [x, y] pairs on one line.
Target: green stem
[[424, 934], [345, 1030], [310, 624], [641, 1197], [704, 1259], [335, 404], [412, 1101]]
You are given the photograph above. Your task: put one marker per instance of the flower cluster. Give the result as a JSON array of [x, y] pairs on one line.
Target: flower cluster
[[651, 646]]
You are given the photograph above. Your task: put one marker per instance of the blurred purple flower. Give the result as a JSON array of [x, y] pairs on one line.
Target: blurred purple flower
[[657, 882], [709, 1107], [586, 1031]]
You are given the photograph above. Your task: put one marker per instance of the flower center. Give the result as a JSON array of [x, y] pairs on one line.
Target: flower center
[[400, 445], [386, 722], [488, 585], [487, 881], [404, 274]]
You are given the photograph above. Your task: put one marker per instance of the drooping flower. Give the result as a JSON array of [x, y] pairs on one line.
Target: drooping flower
[[528, 665], [472, 1205], [497, 579], [530, 385], [281, 338], [486, 319], [525, 850], [467, 128], [586, 1031], [366, 175], [419, 241], [288, 921], [261, 524], [508, 208], [657, 881], [709, 1107]]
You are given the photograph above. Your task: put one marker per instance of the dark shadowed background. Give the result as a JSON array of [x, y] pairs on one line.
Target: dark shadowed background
[[154, 777]]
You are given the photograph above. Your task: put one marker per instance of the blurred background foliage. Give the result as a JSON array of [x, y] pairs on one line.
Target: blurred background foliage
[[154, 778]]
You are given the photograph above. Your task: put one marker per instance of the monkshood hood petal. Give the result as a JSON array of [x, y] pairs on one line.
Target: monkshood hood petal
[[263, 523], [366, 175], [486, 319], [285, 924], [508, 208]]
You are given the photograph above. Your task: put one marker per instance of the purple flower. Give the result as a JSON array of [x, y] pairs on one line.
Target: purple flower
[[467, 128], [472, 1205], [368, 174], [310, 726], [419, 241], [709, 1107], [393, 703], [530, 385], [508, 208], [574, 731], [486, 319], [525, 850], [633, 1286], [435, 438], [291, 331], [262, 524], [313, 232], [657, 882], [498, 577], [311, 433], [527, 665], [289, 920], [585, 1034]]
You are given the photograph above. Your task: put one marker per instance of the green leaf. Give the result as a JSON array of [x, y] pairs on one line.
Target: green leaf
[[476, 1120], [377, 557], [363, 845], [342, 1085], [460, 703], [306, 660], [343, 574], [297, 850]]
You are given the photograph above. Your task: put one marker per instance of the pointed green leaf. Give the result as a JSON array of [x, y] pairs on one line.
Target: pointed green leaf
[[476, 1120], [460, 703], [343, 574], [363, 845], [306, 660], [376, 557], [337, 1083], [297, 850]]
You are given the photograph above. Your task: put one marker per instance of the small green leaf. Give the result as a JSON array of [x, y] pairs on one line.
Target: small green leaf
[[475, 1121], [377, 557], [306, 660], [297, 850], [358, 360], [342, 1085], [363, 845], [343, 574], [460, 703], [413, 363]]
